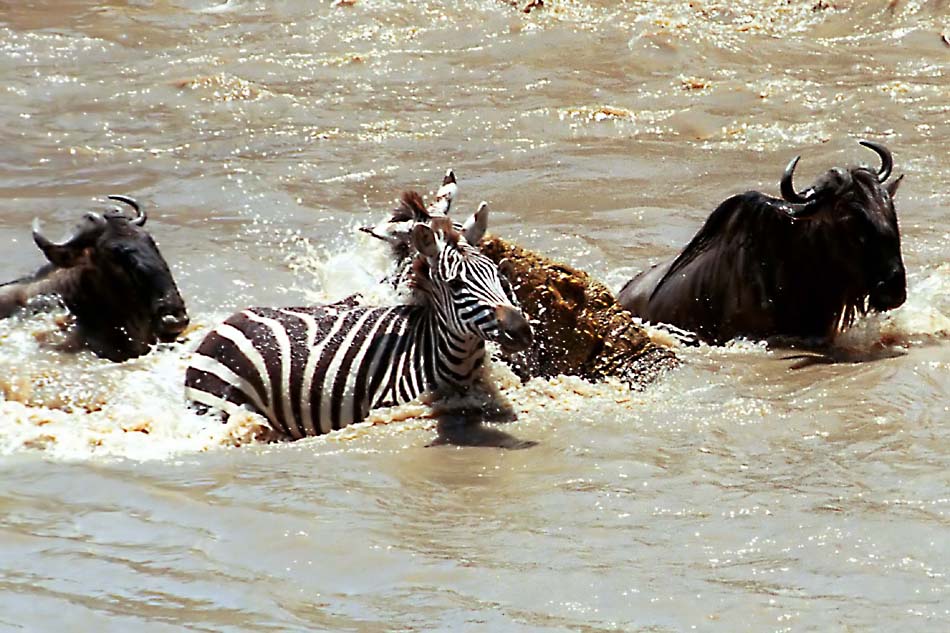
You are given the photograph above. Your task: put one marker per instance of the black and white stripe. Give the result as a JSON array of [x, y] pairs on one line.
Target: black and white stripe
[[310, 370]]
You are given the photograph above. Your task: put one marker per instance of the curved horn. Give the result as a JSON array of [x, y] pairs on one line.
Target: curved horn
[[788, 191], [887, 161], [39, 238], [67, 252], [140, 215]]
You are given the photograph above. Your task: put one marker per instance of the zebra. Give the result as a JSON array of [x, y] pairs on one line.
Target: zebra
[[310, 370]]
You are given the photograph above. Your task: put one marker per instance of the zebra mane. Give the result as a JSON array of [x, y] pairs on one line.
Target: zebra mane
[[419, 274], [412, 269]]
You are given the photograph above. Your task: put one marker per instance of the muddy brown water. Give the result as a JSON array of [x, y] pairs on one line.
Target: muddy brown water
[[739, 494]]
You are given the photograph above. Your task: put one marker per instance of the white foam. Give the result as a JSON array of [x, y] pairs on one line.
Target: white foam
[[922, 319], [74, 406], [137, 410]]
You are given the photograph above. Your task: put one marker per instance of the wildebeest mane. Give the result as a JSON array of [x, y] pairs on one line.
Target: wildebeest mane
[[748, 247], [740, 211]]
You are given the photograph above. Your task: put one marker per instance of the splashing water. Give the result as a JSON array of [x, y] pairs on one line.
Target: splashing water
[[76, 406], [922, 319], [82, 406]]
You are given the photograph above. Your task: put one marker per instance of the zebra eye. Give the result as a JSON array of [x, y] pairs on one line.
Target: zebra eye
[[456, 283]]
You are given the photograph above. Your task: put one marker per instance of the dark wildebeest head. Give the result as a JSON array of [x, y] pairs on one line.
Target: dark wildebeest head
[[859, 202], [113, 279], [803, 266]]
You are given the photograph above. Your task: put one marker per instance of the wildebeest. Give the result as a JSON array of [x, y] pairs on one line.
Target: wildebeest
[[113, 280], [801, 267]]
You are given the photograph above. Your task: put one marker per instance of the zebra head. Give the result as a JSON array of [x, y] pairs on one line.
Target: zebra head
[[397, 229], [464, 285]]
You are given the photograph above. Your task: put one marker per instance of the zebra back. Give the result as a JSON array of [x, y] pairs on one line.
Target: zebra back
[[310, 370]]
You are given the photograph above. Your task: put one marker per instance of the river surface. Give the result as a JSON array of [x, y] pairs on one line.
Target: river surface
[[743, 492]]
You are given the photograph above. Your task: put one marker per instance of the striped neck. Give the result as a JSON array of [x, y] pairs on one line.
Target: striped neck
[[447, 357]]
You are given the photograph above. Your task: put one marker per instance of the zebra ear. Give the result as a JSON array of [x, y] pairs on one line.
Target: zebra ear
[[475, 226], [423, 238]]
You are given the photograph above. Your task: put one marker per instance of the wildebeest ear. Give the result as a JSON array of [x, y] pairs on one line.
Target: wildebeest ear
[[474, 229], [893, 185], [62, 255], [423, 238]]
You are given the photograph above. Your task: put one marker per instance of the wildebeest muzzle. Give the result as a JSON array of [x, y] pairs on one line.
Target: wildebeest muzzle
[[891, 291]]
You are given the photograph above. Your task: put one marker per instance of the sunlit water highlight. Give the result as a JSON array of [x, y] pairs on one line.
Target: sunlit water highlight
[[752, 489]]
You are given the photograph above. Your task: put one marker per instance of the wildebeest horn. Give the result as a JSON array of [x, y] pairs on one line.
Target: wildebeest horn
[[39, 238], [97, 225], [788, 191], [140, 215], [65, 253], [887, 161]]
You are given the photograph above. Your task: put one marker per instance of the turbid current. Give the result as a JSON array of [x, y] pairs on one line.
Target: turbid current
[[745, 491]]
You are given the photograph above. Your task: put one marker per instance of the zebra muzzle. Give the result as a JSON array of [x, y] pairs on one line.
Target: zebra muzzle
[[514, 331]]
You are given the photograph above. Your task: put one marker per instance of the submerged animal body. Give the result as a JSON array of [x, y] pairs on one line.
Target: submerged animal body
[[310, 370], [801, 267], [112, 278]]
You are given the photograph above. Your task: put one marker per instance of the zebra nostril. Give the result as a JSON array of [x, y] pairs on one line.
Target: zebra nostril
[[514, 331]]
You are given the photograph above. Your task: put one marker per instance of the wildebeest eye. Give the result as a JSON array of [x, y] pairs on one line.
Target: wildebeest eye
[[126, 258], [119, 251]]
